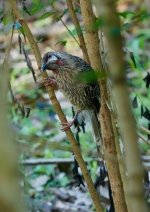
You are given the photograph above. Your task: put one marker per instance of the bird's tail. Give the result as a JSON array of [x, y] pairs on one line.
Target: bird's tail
[[97, 132]]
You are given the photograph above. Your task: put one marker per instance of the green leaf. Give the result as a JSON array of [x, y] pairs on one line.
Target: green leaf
[[90, 76], [126, 26], [141, 16], [47, 14], [38, 6], [99, 22], [62, 42], [126, 14], [60, 14]]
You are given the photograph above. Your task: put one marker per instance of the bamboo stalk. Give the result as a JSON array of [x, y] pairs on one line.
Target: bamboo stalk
[[55, 103], [10, 198], [107, 10], [110, 153]]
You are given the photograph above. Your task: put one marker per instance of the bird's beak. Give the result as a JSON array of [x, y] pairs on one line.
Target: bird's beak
[[44, 67]]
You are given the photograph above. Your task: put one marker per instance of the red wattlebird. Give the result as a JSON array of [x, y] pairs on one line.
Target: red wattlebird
[[68, 75]]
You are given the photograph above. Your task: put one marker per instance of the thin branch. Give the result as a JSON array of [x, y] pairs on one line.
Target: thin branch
[[41, 161], [67, 27], [70, 32], [78, 29], [143, 129], [55, 103]]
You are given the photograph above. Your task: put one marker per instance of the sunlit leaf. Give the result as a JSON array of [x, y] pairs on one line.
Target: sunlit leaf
[[126, 14], [62, 42]]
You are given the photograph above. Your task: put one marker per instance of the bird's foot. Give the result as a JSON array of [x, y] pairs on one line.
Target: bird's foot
[[66, 125], [50, 82]]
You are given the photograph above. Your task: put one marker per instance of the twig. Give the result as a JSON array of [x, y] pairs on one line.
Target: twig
[[67, 28], [70, 32], [75, 147], [143, 139], [78, 29], [41, 161], [143, 129]]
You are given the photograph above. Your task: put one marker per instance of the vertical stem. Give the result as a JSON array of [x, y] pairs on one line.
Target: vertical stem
[[10, 198], [78, 29], [111, 26], [92, 42]]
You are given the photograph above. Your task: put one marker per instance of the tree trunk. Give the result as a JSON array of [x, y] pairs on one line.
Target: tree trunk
[[92, 42], [107, 9]]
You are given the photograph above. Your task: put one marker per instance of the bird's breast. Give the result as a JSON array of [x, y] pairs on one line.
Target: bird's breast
[[74, 91]]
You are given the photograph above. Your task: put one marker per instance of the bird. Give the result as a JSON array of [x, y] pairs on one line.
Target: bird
[[70, 74]]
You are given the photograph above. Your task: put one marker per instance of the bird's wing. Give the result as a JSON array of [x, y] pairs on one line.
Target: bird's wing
[[93, 93], [87, 76]]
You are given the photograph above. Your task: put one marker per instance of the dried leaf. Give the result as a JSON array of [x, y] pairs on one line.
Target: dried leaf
[[20, 44], [149, 130], [146, 114], [29, 64], [22, 109], [133, 59], [147, 80], [25, 7], [77, 176], [27, 112], [135, 102], [2, 17], [11, 94], [142, 111]]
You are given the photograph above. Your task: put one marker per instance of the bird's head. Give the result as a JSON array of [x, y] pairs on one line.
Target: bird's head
[[51, 61], [64, 64], [54, 61]]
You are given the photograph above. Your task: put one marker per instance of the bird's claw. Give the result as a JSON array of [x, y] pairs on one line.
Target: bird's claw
[[50, 82], [66, 125]]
